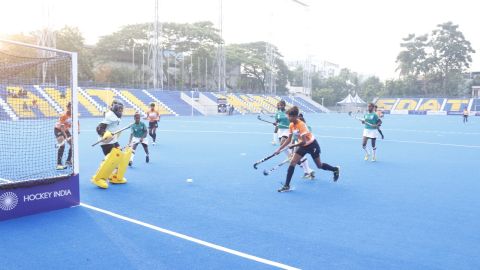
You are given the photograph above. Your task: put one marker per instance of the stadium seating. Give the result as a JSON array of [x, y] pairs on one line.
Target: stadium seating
[[93, 102], [104, 97], [36, 101], [301, 104], [29, 104], [63, 95], [265, 103], [173, 100], [237, 103]]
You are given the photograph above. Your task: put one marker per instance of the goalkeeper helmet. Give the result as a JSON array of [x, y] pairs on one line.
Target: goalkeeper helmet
[[117, 108]]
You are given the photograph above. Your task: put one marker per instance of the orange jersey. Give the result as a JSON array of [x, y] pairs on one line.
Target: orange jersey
[[300, 129], [153, 115], [64, 122]]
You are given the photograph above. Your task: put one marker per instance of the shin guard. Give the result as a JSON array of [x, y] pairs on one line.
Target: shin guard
[[118, 176], [107, 167]]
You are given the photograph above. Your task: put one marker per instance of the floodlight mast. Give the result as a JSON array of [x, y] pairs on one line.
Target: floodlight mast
[[307, 65], [155, 52], [221, 53]]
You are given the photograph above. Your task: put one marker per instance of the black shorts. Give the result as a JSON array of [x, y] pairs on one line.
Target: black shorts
[[59, 133], [153, 124], [313, 149], [106, 148]]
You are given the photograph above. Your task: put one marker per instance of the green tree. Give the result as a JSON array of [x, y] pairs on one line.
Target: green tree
[[452, 55], [187, 43], [434, 63], [253, 68], [71, 39], [370, 88]]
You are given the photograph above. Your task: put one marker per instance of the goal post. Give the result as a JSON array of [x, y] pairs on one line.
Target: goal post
[[39, 157]]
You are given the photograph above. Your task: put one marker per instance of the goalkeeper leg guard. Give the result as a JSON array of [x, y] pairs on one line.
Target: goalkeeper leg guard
[[106, 168], [118, 176]]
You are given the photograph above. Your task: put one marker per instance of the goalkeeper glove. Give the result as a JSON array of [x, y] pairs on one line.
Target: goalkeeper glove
[[107, 135]]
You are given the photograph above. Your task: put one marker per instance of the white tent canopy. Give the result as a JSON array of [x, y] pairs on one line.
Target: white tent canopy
[[358, 100], [350, 100]]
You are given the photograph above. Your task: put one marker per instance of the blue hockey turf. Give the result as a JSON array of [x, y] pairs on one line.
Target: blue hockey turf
[[417, 207]]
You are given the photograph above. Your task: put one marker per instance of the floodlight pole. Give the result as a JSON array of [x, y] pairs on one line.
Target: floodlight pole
[[221, 54]]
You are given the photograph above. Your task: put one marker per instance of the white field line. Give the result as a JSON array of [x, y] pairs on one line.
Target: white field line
[[191, 239]]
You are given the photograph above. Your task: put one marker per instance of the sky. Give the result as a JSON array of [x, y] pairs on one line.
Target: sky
[[363, 36]]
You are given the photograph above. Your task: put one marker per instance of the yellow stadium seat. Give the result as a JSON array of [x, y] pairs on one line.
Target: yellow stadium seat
[[23, 106], [107, 96], [132, 98], [55, 95]]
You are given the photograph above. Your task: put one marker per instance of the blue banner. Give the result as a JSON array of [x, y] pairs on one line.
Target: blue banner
[[18, 202]]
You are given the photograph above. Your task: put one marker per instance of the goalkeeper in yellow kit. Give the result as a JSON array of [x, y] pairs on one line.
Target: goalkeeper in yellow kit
[[115, 164]]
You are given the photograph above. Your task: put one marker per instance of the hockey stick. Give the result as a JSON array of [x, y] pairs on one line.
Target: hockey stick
[[260, 118], [113, 134], [263, 112], [263, 160], [360, 119], [267, 172]]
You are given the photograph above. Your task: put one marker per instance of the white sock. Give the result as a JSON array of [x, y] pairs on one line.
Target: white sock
[[275, 137], [373, 151], [289, 152], [131, 158], [366, 150], [306, 167]]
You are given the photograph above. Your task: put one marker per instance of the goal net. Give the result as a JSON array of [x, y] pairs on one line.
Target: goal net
[[38, 114]]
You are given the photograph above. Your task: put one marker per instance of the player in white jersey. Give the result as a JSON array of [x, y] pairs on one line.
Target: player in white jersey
[[115, 164]]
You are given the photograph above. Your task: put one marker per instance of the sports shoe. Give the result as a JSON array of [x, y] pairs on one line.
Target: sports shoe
[[306, 175], [68, 163], [114, 180], [147, 159], [153, 143], [274, 143], [366, 157], [61, 167], [284, 189], [312, 175], [336, 174], [130, 163], [101, 183], [374, 158]]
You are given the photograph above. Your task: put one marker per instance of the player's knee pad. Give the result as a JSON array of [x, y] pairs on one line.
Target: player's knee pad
[[109, 164], [118, 176]]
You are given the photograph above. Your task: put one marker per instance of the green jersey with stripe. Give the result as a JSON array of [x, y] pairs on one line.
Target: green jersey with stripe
[[371, 118], [139, 130], [282, 120]]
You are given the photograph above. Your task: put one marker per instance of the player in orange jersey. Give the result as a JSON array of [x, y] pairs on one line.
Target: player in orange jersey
[[307, 144], [153, 117], [63, 135]]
